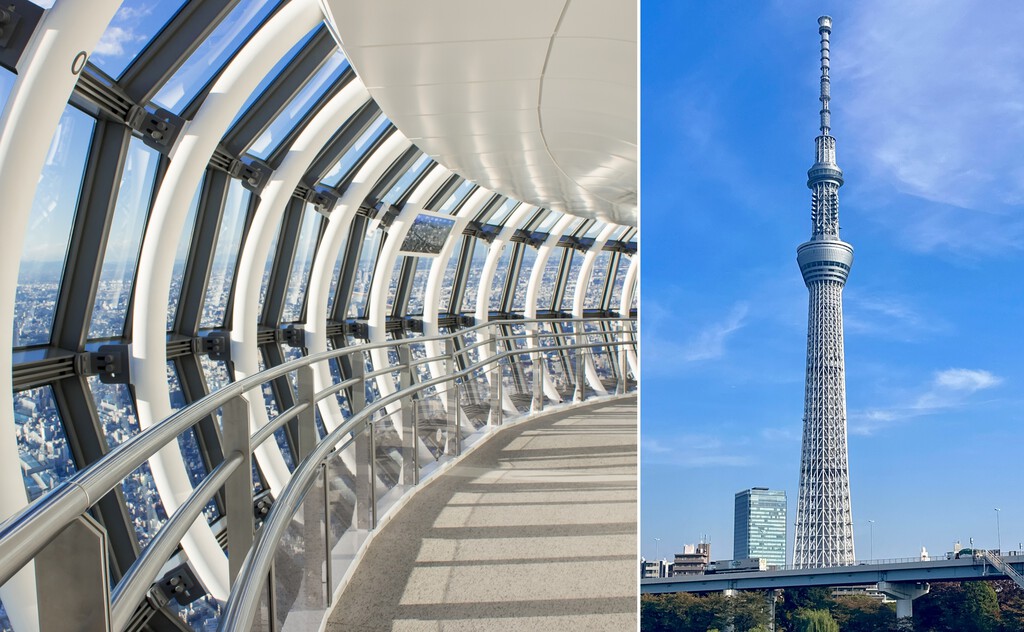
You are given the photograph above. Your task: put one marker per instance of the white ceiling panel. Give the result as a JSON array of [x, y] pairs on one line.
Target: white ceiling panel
[[534, 99]]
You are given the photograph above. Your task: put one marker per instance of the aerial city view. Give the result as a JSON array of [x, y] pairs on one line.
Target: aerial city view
[[826, 445]]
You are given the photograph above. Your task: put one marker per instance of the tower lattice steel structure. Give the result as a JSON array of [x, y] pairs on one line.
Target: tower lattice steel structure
[[824, 519]]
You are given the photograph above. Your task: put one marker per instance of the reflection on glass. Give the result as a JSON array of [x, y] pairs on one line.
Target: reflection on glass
[[225, 255], [407, 179], [598, 276], [268, 268], [341, 168], [212, 54], [364, 273], [53, 212], [122, 252], [571, 278], [548, 222], [448, 281], [131, 28], [42, 442], [116, 413], [617, 283], [181, 258], [529, 257], [270, 401], [498, 282], [455, 199], [298, 279], [476, 264], [419, 286], [549, 278], [393, 279], [336, 275], [594, 229], [299, 106], [499, 216], [188, 443], [6, 83]]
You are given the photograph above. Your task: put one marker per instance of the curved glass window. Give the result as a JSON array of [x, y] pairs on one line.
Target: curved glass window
[[6, 83], [116, 412], [299, 105], [393, 280], [478, 255], [407, 179], [501, 214], [302, 264], [498, 282], [270, 401], [215, 51], [620, 278], [53, 214], [455, 199], [419, 286], [529, 257], [336, 274], [268, 267], [181, 258], [572, 277], [42, 442], [225, 255], [131, 28], [548, 222], [122, 252], [188, 443], [598, 276], [448, 281], [341, 168], [549, 279], [364, 273]]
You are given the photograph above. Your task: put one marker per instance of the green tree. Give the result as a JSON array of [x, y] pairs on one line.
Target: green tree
[[862, 613], [955, 607], [815, 621]]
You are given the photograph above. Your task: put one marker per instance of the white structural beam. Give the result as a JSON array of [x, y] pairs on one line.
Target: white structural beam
[[47, 74], [583, 281], [630, 286], [189, 158], [245, 352]]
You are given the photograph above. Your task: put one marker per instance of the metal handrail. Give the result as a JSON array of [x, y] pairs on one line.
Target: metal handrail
[[240, 610], [25, 534]]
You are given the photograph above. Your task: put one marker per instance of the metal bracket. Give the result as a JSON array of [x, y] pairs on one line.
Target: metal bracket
[[253, 173], [323, 199], [466, 321], [109, 362], [361, 330], [159, 129], [262, 503], [294, 335], [217, 345], [18, 21], [181, 585], [388, 213]]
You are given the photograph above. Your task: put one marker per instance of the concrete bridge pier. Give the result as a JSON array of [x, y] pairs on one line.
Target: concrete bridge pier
[[904, 593]]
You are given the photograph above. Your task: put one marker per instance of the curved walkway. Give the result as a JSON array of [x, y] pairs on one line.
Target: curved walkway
[[535, 530]]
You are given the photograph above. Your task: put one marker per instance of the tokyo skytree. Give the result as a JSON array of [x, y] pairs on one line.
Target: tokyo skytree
[[824, 519]]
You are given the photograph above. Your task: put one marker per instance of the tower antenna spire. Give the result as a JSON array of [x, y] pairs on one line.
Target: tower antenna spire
[[825, 29]]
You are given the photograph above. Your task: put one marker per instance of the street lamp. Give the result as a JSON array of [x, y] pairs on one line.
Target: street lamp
[[999, 543], [871, 531], [657, 544]]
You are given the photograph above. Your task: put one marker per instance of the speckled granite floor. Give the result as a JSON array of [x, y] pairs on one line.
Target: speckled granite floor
[[535, 530]]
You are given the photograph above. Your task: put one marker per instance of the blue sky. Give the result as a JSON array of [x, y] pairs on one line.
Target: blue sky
[[928, 112]]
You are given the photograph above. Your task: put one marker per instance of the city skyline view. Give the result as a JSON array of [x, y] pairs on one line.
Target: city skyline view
[[925, 108]]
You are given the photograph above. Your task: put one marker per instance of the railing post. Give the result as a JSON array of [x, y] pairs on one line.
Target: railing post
[[238, 488], [453, 444], [496, 380], [537, 404], [623, 360], [306, 420], [410, 425], [72, 570], [364, 447], [581, 366]]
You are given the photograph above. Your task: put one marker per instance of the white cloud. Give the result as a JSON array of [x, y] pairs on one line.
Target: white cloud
[[693, 450], [709, 343], [888, 317], [948, 389]]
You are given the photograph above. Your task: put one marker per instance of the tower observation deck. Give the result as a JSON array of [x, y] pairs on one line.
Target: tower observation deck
[[824, 521]]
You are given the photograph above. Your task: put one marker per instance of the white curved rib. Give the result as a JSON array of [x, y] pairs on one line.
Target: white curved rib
[[579, 295], [630, 285]]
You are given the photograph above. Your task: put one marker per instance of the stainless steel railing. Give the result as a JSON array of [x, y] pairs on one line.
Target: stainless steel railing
[[25, 534]]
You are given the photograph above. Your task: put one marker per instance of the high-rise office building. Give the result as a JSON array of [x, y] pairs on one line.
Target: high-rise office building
[[824, 518], [759, 531]]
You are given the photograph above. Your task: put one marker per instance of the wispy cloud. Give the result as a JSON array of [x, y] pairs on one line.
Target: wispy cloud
[[888, 317], [693, 450], [948, 389], [934, 101], [709, 343]]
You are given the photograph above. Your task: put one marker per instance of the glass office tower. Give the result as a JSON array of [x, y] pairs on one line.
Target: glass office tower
[[760, 527]]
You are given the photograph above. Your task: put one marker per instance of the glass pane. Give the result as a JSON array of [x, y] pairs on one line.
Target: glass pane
[[5, 623], [300, 104], [500, 215], [419, 285], [300, 586], [336, 275], [548, 222], [594, 229], [181, 258], [302, 264], [595, 290], [358, 148], [393, 279], [202, 615], [457, 196], [268, 268], [6, 83], [570, 282], [407, 179], [476, 265], [132, 27], [212, 54], [529, 257], [448, 281], [116, 413], [498, 282], [225, 255], [546, 293], [188, 443], [278, 68], [122, 252], [620, 278], [42, 442], [364, 274], [280, 435], [343, 538], [53, 212]]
